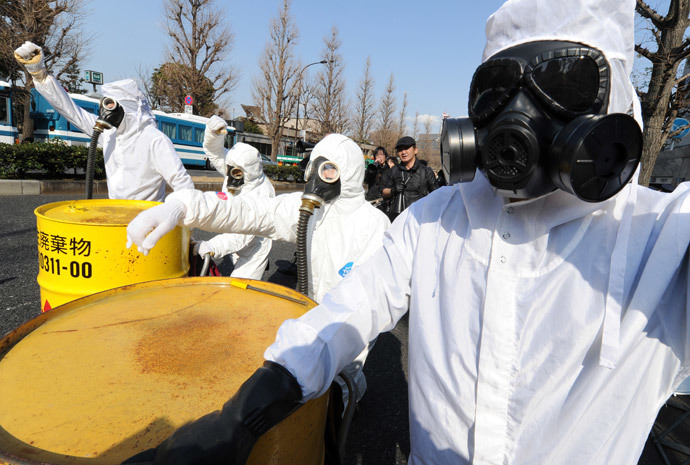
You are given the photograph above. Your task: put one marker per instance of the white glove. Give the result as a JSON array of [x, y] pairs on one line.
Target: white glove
[[30, 56], [204, 248], [217, 125], [150, 225]]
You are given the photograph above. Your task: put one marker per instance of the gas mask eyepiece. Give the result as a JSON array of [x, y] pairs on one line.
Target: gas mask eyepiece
[[538, 123], [110, 113], [235, 177], [323, 180]]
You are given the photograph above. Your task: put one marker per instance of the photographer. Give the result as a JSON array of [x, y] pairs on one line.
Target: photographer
[[409, 181]]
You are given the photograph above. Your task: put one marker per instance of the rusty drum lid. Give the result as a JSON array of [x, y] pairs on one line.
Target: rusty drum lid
[[105, 376]]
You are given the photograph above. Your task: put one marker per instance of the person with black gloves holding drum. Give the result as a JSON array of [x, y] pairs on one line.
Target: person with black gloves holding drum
[[547, 293]]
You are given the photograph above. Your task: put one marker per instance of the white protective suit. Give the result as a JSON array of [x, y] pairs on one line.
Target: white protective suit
[[544, 331], [340, 235], [139, 159], [249, 252]]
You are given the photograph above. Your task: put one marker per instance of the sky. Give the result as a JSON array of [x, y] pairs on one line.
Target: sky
[[431, 48], [432, 51]]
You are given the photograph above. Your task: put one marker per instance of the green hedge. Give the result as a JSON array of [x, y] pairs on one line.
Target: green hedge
[[289, 173], [53, 160], [57, 160]]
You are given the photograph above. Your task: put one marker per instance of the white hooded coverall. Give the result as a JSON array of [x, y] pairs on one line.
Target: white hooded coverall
[[139, 159], [340, 235], [249, 252], [545, 331]]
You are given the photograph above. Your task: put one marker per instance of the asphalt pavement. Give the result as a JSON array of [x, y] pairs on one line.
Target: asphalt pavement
[[379, 433]]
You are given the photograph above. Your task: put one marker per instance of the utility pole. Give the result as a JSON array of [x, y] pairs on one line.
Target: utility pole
[[299, 93]]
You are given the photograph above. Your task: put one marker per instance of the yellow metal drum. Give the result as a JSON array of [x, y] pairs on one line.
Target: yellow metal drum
[[81, 249], [102, 378]]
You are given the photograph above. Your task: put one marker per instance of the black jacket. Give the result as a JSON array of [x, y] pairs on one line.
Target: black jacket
[[372, 177], [409, 185]]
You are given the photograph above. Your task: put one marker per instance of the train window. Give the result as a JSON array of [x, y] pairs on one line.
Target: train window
[[199, 136], [186, 132], [168, 129], [4, 110]]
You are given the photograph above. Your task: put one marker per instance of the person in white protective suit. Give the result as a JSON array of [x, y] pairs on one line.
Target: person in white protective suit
[[242, 168], [548, 303], [139, 159], [341, 234]]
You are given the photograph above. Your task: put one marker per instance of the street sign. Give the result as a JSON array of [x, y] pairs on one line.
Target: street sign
[[93, 77], [188, 109], [680, 123], [188, 100]]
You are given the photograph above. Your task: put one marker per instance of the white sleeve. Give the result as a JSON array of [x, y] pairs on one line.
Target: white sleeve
[[369, 300], [58, 98], [275, 218], [214, 150], [227, 243], [168, 163]]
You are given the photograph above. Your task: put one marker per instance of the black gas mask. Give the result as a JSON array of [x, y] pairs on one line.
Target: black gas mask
[[110, 115], [323, 186], [110, 112], [323, 180], [235, 177], [538, 123]]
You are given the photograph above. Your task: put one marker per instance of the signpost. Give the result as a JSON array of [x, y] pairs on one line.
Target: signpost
[[679, 123], [93, 77], [188, 101]]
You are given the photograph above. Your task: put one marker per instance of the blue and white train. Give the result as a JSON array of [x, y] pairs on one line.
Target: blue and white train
[[8, 127], [186, 131]]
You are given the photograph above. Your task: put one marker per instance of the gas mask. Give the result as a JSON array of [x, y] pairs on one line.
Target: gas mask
[[538, 123], [323, 185], [235, 177], [323, 181], [110, 113]]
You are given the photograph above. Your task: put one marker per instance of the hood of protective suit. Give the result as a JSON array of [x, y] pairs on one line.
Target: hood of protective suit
[[248, 159], [137, 111], [349, 157], [608, 25]]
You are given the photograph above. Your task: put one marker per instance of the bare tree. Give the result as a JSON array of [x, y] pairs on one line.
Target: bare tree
[[201, 41], [364, 105], [664, 97], [415, 132], [402, 127], [54, 25], [385, 134], [424, 143], [330, 108], [274, 88], [306, 102], [427, 124]]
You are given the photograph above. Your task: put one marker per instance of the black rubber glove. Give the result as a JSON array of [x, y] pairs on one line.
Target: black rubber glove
[[227, 436]]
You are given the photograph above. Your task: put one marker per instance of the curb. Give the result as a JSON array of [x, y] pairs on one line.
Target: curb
[[35, 187]]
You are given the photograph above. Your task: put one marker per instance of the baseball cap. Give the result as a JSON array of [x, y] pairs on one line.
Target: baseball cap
[[405, 141]]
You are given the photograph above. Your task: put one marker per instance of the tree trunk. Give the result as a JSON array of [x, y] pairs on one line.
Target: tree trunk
[[656, 103], [275, 146], [652, 142]]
